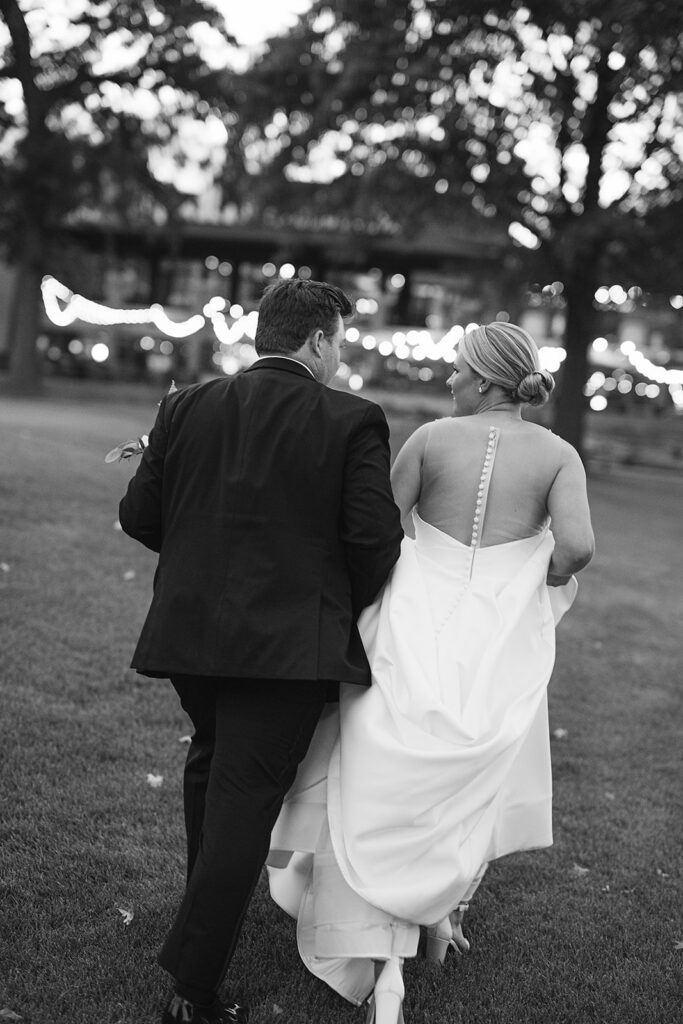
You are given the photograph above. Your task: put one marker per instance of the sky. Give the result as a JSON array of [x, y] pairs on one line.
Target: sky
[[251, 21]]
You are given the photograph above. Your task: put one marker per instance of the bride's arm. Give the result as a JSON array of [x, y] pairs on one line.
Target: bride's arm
[[406, 476], [570, 519]]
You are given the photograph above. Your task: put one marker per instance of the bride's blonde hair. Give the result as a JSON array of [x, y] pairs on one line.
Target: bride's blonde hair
[[507, 356]]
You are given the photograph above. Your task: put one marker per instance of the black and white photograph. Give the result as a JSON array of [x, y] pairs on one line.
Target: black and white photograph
[[341, 512]]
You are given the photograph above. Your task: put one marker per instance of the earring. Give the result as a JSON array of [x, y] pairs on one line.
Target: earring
[[482, 387]]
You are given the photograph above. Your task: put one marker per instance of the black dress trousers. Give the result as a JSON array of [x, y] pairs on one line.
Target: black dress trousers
[[250, 736]]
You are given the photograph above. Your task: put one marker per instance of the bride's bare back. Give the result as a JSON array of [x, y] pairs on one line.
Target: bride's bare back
[[537, 475], [525, 467]]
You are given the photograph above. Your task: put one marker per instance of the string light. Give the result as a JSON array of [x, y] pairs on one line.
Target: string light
[[552, 357], [99, 352], [63, 307], [76, 307], [658, 374], [244, 326]]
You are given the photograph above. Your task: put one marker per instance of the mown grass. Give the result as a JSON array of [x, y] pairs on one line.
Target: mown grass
[[585, 932]]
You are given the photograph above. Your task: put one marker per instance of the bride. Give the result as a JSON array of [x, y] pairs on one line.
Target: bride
[[411, 787]]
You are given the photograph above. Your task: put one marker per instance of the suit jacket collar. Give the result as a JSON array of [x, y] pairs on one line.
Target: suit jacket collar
[[278, 363]]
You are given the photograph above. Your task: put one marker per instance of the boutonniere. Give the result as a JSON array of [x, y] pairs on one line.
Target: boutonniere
[[127, 449]]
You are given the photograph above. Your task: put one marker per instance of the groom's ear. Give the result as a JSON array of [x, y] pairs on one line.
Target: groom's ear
[[315, 340]]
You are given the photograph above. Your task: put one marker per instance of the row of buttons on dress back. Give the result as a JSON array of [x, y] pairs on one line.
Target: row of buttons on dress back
[[482, 484]]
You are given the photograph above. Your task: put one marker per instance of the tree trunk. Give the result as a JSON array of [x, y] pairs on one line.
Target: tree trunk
[[571, 403], [25, 365], [235, 281], [404, 301]]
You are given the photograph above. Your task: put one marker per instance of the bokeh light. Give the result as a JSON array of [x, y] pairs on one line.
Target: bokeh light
[[99, 353]]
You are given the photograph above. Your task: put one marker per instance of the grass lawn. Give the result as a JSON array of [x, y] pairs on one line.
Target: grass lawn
[[588, 931]]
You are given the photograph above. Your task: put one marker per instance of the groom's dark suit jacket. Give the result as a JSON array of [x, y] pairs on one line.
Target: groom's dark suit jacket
[[269, 502]]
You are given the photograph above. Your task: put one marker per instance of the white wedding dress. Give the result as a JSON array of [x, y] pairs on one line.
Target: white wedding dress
[[441, 765]]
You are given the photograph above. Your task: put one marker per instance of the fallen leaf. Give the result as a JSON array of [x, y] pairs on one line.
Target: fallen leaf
[[277, 1010], [605, 888], [662, 874], [609, 795], [129, 575], [9, 1014], [184, 739], [560, 734], [678, 944], [126, 914], [4, 567], [154, 780], [579, 871]]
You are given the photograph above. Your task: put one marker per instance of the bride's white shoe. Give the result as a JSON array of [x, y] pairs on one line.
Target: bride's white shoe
[[386, 1002], [456, 918], [447, 934]]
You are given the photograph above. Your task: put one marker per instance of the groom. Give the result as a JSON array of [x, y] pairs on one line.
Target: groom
[[269, 502]]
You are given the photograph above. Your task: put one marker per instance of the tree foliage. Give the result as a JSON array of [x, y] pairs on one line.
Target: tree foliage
[[565, 120], [88, 93]]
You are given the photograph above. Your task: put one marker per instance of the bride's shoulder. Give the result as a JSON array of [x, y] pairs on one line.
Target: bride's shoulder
[[445, 427], [431, 427], [446, 424], [560, 451], [551, 439], [452, 430], [422, 438]]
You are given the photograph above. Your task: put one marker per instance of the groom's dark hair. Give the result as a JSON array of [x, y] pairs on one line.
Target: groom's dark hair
[[291, 310]]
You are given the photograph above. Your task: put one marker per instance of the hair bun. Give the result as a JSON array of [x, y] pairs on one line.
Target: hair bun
[[535, 388]]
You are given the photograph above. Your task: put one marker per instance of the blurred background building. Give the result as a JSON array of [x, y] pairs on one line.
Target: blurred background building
[[146, 305]]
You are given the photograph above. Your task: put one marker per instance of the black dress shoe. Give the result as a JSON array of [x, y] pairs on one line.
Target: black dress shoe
[[182, 1011]]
